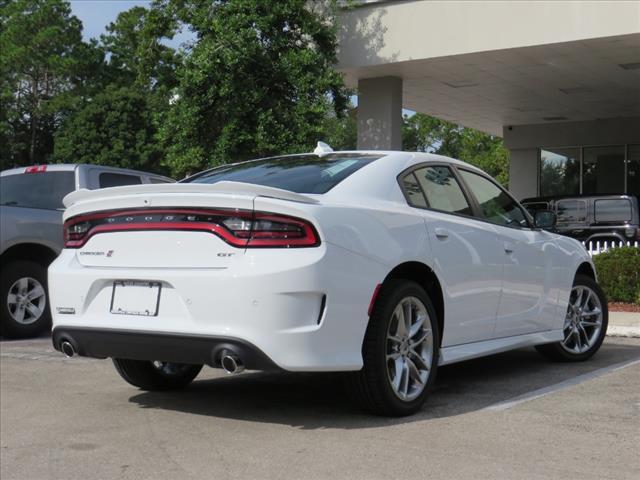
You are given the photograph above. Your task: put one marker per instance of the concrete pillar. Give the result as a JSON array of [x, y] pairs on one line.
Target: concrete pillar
[[380, 113], [523, 172]]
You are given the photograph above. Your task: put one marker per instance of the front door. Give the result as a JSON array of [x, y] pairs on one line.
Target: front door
[[526, 304]]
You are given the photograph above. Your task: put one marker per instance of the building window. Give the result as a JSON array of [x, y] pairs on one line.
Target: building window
[[560, 171], [633, 169], [603, 170]]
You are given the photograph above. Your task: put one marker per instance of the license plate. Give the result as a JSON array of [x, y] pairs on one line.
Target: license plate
[[131, 297]]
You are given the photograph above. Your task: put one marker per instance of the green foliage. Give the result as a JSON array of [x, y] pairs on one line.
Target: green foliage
[[258, 81], [115, 128], [136, 55], [619, 274], [423, 133], [43, 66]]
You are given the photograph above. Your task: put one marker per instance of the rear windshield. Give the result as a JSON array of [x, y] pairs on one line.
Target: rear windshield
[[36, 190], [300, 174]]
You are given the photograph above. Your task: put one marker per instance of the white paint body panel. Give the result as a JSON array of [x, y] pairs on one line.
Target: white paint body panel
[[272, 297]]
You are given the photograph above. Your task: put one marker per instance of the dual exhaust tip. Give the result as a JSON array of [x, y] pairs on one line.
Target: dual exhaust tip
[[229, 361], [67, 348]]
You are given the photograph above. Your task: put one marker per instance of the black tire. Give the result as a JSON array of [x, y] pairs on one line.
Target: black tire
[[556, 352], [12, 272], [371, 387], [146, 376]]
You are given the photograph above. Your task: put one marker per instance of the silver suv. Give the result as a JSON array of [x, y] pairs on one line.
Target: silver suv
[[31, 234]]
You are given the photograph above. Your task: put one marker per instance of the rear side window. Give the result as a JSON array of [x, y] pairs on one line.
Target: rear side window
[[109, 179], [413, 191], [36, 190], [442, 190], [300, 173], [571, 211], [613, 211]]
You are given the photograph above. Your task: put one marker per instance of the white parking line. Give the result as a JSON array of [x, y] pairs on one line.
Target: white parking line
[[541, 392]]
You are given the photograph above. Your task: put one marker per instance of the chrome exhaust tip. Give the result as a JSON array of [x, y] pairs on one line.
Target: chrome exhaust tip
[[67, 349], [231, 363]]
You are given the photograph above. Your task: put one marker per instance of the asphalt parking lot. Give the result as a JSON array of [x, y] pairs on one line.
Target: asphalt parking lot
[[511, 416]]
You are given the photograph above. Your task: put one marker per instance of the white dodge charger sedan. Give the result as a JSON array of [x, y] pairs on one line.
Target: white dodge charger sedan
[[383, 264]]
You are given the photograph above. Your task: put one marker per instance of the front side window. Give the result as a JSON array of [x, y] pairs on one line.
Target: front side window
[[495, 205], [442, 190], [296, 173], [36, 190]]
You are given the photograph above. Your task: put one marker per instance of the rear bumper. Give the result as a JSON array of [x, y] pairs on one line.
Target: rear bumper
[[306, 309], [179, 348]]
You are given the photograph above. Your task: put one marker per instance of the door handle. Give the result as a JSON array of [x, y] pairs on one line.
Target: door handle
[[441, 233], [508, 247]]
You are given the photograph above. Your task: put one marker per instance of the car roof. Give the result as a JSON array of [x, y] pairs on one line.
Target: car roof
[[70, 167], [583, 196]]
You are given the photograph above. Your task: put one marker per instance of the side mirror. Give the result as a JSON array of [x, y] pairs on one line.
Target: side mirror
[[545, 219]]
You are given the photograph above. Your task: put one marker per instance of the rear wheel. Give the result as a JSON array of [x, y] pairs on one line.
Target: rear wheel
[[23, 289], [400, 351], [585, 324], [156, 375]]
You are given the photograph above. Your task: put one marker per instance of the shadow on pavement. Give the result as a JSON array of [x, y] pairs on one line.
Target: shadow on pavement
[[312, 401]]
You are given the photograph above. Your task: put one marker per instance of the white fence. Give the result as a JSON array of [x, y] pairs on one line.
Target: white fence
[[594, 247]]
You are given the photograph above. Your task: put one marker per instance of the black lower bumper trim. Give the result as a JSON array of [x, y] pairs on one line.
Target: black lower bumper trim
[[167, 347]]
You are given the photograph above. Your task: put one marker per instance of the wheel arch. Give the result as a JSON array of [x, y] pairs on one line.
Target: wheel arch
[[36, 252], [585, 268], [425, 277]]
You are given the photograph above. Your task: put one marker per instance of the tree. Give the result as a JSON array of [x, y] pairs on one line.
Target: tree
[[258, 81], [115, 128], [424, 133], [43, 65], [137, 56]]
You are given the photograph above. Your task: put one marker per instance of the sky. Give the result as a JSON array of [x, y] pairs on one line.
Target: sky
[[97, 14]]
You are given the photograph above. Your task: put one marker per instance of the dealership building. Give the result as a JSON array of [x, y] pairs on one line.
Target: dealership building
[[558, 80]]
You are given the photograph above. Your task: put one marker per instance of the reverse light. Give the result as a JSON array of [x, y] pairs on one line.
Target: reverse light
[[239, 228]]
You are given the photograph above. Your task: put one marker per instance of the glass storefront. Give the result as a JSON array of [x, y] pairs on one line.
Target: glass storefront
[[560, 171], [600, 170]]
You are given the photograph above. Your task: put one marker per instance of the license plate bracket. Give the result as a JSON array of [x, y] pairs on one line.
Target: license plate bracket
[[135, 297]]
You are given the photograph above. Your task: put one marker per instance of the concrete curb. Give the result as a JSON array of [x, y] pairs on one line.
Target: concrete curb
[[621, 331]]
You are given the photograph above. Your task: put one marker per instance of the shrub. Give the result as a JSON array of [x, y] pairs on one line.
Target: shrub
[[619, 274]]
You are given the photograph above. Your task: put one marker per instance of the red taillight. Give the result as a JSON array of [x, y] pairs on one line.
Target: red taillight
[[239, 228], [36, 169]]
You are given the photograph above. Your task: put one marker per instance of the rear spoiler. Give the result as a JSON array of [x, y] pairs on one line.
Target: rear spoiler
[[230, 188]]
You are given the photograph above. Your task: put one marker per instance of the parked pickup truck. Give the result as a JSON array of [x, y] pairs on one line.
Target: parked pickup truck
[[31, 234], [611, 218]]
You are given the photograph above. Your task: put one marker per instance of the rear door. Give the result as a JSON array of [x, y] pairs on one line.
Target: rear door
[[467, 258], [527, 301]]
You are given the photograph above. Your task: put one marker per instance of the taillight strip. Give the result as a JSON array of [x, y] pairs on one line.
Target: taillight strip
[[307, 234]]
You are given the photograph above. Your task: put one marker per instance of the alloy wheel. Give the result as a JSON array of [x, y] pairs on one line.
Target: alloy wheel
[[26, 300], [583, 322], [409, 348]]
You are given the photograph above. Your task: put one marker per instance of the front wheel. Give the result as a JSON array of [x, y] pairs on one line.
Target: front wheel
[[400, 351], [585, 324], [156, 375]]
